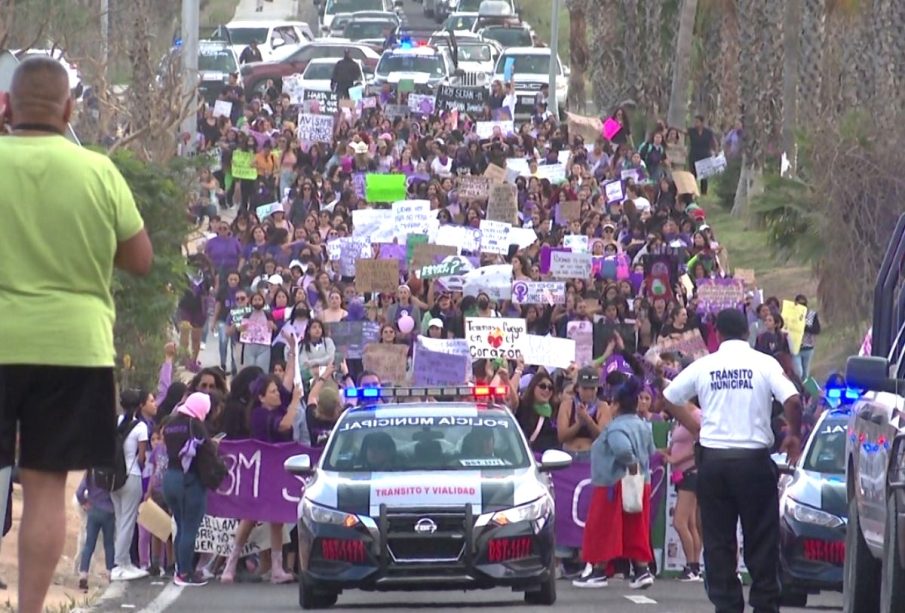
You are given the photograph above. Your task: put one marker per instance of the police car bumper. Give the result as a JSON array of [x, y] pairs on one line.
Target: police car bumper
[[811, 556], [397, 551]]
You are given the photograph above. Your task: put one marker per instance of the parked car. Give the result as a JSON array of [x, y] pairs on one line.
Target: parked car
[[509, 34], [274, 38], [340, 20], [327, 10], [216, 61], [530, 71], [369, 30], [460, 23], [76, 87], [256, 74], [318, 74]]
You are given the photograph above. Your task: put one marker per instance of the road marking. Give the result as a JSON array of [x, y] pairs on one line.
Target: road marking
[[167, 597], [641, 600], [114, 591]]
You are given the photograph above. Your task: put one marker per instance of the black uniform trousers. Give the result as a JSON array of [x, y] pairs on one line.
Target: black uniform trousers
[[733, 484]]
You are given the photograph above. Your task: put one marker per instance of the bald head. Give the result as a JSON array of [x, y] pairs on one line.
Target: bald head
[[39, 93]]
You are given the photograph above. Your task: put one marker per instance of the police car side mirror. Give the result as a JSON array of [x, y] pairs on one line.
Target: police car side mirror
[[869, 373], [298, 465], [554, 459]]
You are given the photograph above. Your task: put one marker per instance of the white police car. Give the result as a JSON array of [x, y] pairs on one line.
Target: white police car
[[427, 67], [425, 495]]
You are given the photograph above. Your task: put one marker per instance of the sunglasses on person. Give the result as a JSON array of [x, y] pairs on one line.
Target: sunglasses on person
[[241, 298], [547, 387]]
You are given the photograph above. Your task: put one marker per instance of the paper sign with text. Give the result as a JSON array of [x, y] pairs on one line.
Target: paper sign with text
[[568, 265], [495, 337], [548, 351], [503, 203], [538, 292]]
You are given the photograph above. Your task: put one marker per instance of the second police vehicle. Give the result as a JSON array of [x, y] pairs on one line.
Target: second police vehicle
[[411, 494]]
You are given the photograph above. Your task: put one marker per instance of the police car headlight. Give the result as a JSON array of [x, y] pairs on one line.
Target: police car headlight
[[323, 515], [809, 515], [541, 507]]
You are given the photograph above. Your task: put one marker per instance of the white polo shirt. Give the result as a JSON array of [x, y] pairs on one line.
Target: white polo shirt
[[735, 386]]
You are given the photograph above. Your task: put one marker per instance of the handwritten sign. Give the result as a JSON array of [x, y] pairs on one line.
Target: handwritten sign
[[450, 266], [614, 191], [582, 334], [464, 237], [685, 182], [243, 165], [569, 210], [223, 108], [387, 361], [709, 167], [495, 236], [747, 276], [315, 128], [376, 275], [216, 535], [538, 292], [438, 367], [503, 203], [494, 280], [495, 337], [578, 243], [715, 295], [373, 224], [350, 337], [568, 265], [689, 344], [469, 100], [495, 173], [411, 217], [473, 188], [425, 254]]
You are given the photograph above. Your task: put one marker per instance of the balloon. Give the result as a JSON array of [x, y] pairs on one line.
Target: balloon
[[406, 324]]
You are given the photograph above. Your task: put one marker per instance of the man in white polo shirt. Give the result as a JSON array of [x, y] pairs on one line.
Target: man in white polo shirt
[[736, 477]]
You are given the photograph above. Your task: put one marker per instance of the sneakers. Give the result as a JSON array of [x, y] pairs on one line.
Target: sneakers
[[154, 570], [690, 576], [206, 574], [591, 578], [127, 573], [188, 580], [642, 581], [83, 584], [573, 570]]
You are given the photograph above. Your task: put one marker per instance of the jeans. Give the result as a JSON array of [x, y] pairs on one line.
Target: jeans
[[804, 361], [125, 506], [99, 521], [226, 342], [256, 355], [187, 500]]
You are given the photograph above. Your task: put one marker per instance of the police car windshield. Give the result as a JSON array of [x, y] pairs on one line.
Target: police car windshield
[[410, 63], [419, 441], [827, 451]]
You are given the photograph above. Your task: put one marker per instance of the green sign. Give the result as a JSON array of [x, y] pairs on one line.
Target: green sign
[[244, 165], [412, 241], [384, 188], [447, 268], [406, 85]]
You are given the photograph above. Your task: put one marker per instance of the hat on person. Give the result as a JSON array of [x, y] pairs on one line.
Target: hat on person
[[609, 225], [440, 141], [328, 399], [296, 264], [699, 214], [197, 405], [275, 280], [588, 377], [435, 322]]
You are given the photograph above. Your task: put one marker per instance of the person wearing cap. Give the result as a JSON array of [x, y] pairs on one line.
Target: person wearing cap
[[435, 328], [582, 415], [737, 478]]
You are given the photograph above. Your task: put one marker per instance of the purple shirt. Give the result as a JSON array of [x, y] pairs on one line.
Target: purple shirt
[[265, 424], [224, 252]]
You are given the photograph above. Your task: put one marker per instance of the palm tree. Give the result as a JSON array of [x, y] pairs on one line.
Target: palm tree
[[678, 97], [631, 48], [810, 65], [578, 53], [750, 19], [791, 33], [606, 70]]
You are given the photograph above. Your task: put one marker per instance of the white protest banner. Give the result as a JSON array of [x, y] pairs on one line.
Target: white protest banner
[[422, 104], [471, 187], [462, 237], [614, 191], [577, 242], [223, 108], [548, 351], [538, 292], [523, 237], [315, 128], [411, 217], [494, 280], [485, 129], [519, 165], [567, 265], [711, 166], [266, 210], [582, 333], [374, 224], [217, 534], [334, 249], [351, 250], [455, 346], [555, 173], [495, 237], [431, 367], [495, 337], [295, 88], [633, 174]]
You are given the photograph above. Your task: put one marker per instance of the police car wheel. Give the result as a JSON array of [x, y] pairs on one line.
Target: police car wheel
[[310, 599], [546, 595], [861, 575], [892, 584]]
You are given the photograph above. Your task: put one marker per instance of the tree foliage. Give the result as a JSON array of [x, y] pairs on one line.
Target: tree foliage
[[145, 306]]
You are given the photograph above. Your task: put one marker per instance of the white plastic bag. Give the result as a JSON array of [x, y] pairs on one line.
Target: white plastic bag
[[633, 491]]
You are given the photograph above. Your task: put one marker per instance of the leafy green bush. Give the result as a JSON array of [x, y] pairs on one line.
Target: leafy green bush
[[787, 209], [145, 306], [727, 183]]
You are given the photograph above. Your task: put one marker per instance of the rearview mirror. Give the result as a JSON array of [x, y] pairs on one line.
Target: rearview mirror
[[554, 459], [298, 465]]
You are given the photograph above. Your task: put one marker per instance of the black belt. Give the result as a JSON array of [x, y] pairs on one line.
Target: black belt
[[732, 454]]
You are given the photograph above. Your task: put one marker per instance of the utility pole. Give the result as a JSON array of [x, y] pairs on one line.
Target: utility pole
[[105, 33], [552, 102], [190, 17]]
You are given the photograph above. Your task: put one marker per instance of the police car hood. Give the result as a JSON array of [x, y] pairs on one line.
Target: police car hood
[[824, 491], [486, 489]]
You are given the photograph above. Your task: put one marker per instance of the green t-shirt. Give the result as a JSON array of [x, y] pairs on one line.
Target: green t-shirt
[[63, 211]]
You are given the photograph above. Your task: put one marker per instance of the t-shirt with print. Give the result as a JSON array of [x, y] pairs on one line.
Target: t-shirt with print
[[64, 209], [130, 447]]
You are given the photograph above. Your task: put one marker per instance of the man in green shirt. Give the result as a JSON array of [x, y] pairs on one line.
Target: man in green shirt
[[68, 219]]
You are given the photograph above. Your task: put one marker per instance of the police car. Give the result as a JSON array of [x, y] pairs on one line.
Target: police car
[[427, 67], [813, 511], [411, 494]]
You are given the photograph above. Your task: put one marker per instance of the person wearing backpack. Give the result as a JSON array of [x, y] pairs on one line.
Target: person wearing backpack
[[132, 438]]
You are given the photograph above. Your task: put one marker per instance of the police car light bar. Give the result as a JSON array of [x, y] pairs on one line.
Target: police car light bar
[[460, 391]]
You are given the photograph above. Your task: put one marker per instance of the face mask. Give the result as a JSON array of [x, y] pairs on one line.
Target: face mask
[[483, 303], [257, 306]]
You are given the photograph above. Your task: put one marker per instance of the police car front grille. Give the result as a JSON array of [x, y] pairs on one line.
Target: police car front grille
[[445, 544], [422, 549], [405, 524]]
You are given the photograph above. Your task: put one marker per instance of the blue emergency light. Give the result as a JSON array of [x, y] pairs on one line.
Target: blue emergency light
[[837, 392], [405, 42]]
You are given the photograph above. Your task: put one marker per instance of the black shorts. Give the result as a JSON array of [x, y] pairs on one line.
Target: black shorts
[[65, 417], [689, 482]]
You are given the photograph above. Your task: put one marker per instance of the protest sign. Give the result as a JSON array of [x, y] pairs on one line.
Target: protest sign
[[589, 128], [568, 265], [223, 108], [495, 237], [471, 187], [495, 281], [465, 238], [578, 243], [450, 266], [358, 184], [293, 86], [438, 367], [405, 86], [387, 361], [689, 344], [685, 182], [614, 191], [747, 276], [412, 241], [554, 173], [422, 104], [548, 351], [635, 175], [523, 237], [611, 128], [709, 167], [347, 250], [469, 100], [315, 128], [216, 535], [394, 251], [503, 203], [411, 217], [375, 225], [356, 93], [425, 254], [350, 337], [485, 129], [376, 275], [154, 519], [368, 102], [495, 337], [384, 187], [394, 111], [243, 165], [495, 173], [793, 317], [266, 210], [569, 210], [538, 292], [582, 333], [717, 294], [255, 330]]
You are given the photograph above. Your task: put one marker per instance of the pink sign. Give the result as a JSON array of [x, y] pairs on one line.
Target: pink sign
[[611, 128]]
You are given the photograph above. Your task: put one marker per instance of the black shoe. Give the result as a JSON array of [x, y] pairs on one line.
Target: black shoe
[[594, 579], [572, 569], [188, 580], [83, 585], [154, 570]]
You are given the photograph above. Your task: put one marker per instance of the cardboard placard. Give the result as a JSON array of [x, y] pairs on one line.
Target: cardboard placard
[[388, 361], [425, 254], [589, 128], [503, 203], [155, 520], [495, 173], [471, 187], [747, 276], [685, 182], [570, 210], [376, 275]]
